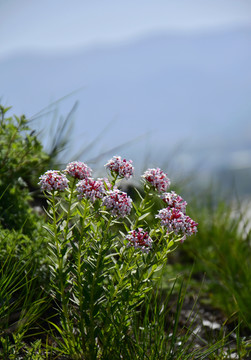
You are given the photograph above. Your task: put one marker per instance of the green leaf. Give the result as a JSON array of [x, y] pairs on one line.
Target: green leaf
[[137, 191], [144, 216], [48, 228]]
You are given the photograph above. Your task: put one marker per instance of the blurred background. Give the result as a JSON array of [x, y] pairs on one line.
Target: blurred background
[[170, 81]]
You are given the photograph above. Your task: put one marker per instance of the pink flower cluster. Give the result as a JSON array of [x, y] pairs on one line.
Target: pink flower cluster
[[53, 180], [90, 189], [139, 240], [173, 217], [176, 221], [78, 170], [118, 202], [175, 201], [122, 167], [157, 178]]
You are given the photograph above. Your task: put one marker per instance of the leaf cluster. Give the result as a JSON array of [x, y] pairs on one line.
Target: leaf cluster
[[22, 159]]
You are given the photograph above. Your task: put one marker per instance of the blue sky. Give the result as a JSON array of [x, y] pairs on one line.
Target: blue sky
[[61, 25]]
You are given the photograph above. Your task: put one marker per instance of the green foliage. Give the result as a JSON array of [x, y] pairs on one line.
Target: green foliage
[[222, 250], [22, 159], [108, 296], [23, 254], [21, 297]]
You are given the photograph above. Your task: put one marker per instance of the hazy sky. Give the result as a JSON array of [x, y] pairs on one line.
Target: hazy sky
[[61, 25]]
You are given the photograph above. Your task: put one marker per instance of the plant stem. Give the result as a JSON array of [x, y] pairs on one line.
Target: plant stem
[[69, 210], [141, 207], [80, 286], [104, 235], [62, 286]]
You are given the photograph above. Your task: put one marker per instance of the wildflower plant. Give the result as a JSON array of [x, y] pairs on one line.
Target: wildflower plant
[[106, 252]]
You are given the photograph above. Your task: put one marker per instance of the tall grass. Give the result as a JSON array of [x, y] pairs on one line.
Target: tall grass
[[222, 250]]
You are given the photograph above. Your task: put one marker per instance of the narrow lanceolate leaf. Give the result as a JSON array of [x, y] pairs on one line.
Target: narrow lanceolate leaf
[[149, 207], [49, 229], [48, 214], [73, 206], [64, 207], [144, 216], [138, 193]]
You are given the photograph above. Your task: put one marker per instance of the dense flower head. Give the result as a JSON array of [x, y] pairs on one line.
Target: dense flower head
[[175, 201], [118, 202], [90, 189], [78, 170], [176, 221], [53, 180], [139, 240], [122, 167], [157, 178]]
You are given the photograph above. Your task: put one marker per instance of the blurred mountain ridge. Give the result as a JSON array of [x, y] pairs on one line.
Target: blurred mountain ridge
[[192, 89]]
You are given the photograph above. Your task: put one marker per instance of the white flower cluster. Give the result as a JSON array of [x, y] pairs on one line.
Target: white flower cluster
[[122, 167], [53, 180], [175, 201], [139, 240], [157, 178], [118, 202], [78, 170], [90, 189], [176, 221]]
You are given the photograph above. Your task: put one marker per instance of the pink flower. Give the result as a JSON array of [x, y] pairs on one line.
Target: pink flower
[[53, 180], [157, 178], [118, 202], [122, 167], [90, 189], [175, 221], [139, 240], [175, 201], [78, 170]]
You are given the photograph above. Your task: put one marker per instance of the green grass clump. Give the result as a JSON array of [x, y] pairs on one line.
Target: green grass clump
[[222, 251]]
